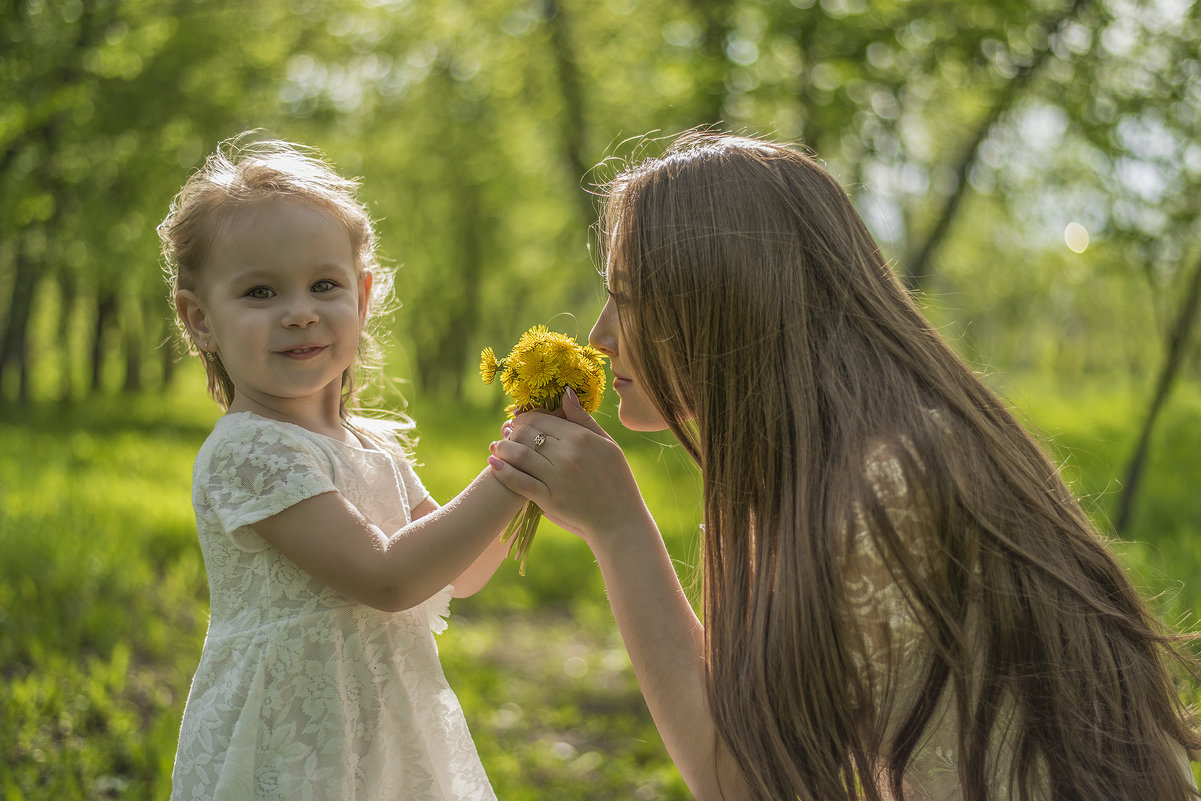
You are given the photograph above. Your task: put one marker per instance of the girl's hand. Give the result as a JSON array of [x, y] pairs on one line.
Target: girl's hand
[[576, 473]]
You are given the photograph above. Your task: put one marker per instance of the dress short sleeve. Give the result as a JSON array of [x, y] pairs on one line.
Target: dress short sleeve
[[415, 491], [388, 435], [256, 469]]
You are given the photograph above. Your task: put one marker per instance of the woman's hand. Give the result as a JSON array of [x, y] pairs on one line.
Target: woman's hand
[[572, 469]]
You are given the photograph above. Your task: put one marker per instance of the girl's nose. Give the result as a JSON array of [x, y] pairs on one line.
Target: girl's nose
[[300, 313], [603, 336]]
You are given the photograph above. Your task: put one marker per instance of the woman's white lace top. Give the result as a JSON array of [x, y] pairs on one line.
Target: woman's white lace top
[[892, 648], [302, 693]]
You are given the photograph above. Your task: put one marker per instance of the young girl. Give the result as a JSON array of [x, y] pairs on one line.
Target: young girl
[[902, 599], [328, 562]]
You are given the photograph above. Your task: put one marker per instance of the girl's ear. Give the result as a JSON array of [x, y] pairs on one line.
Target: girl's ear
[[195, 319], [365, 283]]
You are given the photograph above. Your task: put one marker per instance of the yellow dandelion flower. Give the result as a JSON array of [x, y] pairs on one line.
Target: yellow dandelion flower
[[488, 365], [536, 370], [535, 374], [594, 357]]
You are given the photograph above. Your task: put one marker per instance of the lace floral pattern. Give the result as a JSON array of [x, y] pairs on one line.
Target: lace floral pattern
[[302, 693], [892, 648], [894, 652]]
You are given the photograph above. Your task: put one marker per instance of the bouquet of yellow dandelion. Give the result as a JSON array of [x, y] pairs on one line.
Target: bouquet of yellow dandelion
[[535, 374]]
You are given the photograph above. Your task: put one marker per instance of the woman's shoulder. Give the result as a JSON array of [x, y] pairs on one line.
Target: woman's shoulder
[[899, 465], [892, 509], [893, 469]]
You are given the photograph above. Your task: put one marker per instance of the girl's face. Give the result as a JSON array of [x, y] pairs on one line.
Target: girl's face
[[283, 304], [635, 409]]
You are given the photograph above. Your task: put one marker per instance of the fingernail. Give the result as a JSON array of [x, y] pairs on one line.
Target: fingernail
[[495, 463], [492, 447]]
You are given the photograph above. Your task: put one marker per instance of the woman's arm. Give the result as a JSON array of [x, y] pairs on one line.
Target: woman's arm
[[327, 537], [581, 479]]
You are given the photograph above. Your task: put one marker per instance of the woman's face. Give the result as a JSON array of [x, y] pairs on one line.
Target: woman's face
[[635, 409]]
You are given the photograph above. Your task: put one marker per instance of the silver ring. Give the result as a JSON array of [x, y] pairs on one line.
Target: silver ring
[[538, 441]]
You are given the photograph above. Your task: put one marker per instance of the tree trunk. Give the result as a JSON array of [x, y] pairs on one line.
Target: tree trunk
[[68, 292], [711, 77], [106, 306], [1179, 340], [452, 353], [132, 342], [43, 132], [918, 266], [14, 347], [574, 125]]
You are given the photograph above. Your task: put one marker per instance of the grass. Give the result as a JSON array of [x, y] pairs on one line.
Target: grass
[[103, 598]]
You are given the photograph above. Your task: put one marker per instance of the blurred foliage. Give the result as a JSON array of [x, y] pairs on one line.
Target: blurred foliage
[[970, 133]]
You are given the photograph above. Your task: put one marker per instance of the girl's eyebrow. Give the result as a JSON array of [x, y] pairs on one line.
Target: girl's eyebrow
[[254, 276]]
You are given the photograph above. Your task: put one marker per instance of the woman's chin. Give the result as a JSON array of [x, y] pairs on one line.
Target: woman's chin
[[640, 422]]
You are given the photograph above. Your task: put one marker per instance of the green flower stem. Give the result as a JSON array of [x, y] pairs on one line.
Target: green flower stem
[[521, 528]]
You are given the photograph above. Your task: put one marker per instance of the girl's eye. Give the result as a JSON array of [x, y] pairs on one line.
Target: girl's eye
[[324, 285], [259, 293]]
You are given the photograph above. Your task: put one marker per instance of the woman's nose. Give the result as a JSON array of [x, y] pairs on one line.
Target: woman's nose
[[603, 336]]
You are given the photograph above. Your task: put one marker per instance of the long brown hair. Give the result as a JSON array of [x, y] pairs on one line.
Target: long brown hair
[[777, 343]]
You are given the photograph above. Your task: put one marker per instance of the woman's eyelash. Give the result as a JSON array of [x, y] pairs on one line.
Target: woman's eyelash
[[617, 297]]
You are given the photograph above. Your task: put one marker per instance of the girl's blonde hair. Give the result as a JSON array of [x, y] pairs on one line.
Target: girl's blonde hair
[[241, 174], [775, 340]]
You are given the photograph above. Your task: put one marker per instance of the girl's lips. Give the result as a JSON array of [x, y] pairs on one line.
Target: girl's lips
[[302, 352]]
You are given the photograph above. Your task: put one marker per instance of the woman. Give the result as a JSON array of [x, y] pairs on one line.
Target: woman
[[902, 600]]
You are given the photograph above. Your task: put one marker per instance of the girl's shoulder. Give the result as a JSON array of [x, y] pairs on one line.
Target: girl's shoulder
[[236, 427], [393, 435], [247, 437], [244, 439]]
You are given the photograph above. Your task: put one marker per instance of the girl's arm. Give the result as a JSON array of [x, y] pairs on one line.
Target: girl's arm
[[327, 537], [473, 579], [581, 479]]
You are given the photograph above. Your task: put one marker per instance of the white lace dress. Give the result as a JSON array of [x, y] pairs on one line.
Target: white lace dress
[[302, 693]]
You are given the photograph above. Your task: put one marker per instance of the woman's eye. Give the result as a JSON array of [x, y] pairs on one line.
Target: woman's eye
[[324, 285], [259, 293]]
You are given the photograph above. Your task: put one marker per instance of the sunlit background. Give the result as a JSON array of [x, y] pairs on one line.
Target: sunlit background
[[978, 138], [1031, 169]]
